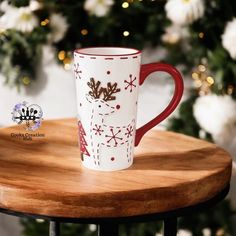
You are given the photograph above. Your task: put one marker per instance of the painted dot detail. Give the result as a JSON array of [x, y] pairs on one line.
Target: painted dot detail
[[108, 72], [112, 158], [80, 104]]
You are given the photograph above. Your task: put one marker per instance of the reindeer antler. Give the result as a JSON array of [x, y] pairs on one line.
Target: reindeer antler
[[96, 91], [111, 89]]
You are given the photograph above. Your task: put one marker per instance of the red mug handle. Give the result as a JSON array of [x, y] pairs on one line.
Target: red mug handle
[[179, 87]]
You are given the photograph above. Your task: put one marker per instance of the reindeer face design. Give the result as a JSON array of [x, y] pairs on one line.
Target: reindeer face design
[[101, 107]]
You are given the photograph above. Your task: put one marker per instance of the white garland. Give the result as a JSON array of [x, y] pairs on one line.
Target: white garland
[[24, 20], [98, 8], [21, 19], [229, 38], [59, 26], [214, 113], [184, 12], [175, 33], [217, 115]]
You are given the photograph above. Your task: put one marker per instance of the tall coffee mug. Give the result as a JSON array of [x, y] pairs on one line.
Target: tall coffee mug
[[107, 84]]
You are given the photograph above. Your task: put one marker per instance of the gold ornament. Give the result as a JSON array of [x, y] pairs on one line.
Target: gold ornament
[[202, 80]]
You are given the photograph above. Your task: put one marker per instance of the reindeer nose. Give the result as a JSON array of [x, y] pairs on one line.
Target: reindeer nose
[[117, 107]]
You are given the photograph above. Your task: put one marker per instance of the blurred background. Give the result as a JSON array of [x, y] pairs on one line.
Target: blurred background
[[37, 39]]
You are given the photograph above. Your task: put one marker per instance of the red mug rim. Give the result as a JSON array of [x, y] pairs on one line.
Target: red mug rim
[[136, 51]]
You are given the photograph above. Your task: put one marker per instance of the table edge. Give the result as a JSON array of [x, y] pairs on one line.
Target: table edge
[[179, 212]]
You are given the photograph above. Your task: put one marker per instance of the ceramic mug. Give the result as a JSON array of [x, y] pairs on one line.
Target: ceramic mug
[[107, 84]]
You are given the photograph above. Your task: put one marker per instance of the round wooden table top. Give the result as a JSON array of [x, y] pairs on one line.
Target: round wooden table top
[[44, 176]]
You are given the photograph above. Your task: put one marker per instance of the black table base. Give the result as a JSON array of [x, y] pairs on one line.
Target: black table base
[[170, 227], [110, 226]]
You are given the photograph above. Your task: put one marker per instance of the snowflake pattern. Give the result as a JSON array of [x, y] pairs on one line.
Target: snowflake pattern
[[77, 71], [98, 129], [129, 131], [113, 136], [130, 83]]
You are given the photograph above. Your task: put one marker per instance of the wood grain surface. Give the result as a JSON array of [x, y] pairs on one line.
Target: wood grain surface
[[45, 176]]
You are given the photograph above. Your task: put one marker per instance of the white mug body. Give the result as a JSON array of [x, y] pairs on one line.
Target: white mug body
[[107, 84]]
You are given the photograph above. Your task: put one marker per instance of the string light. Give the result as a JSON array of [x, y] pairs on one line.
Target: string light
[[67, 66], [26, 80], [195, 75], [40, 220], [210, 80], [170, 38], [84, 32], [125, 4], [67, 63], [201, 35], [198, 83], [230, 89], [65, 57], [44, 22], [61, 55], [202, 80], [126, 33], [67, 60], [201, 68], [220, 232]]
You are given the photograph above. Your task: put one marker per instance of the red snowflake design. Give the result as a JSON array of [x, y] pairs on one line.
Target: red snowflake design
[[77, 70], [113, 136], [130, 83], [129, 131], [98, 129]]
